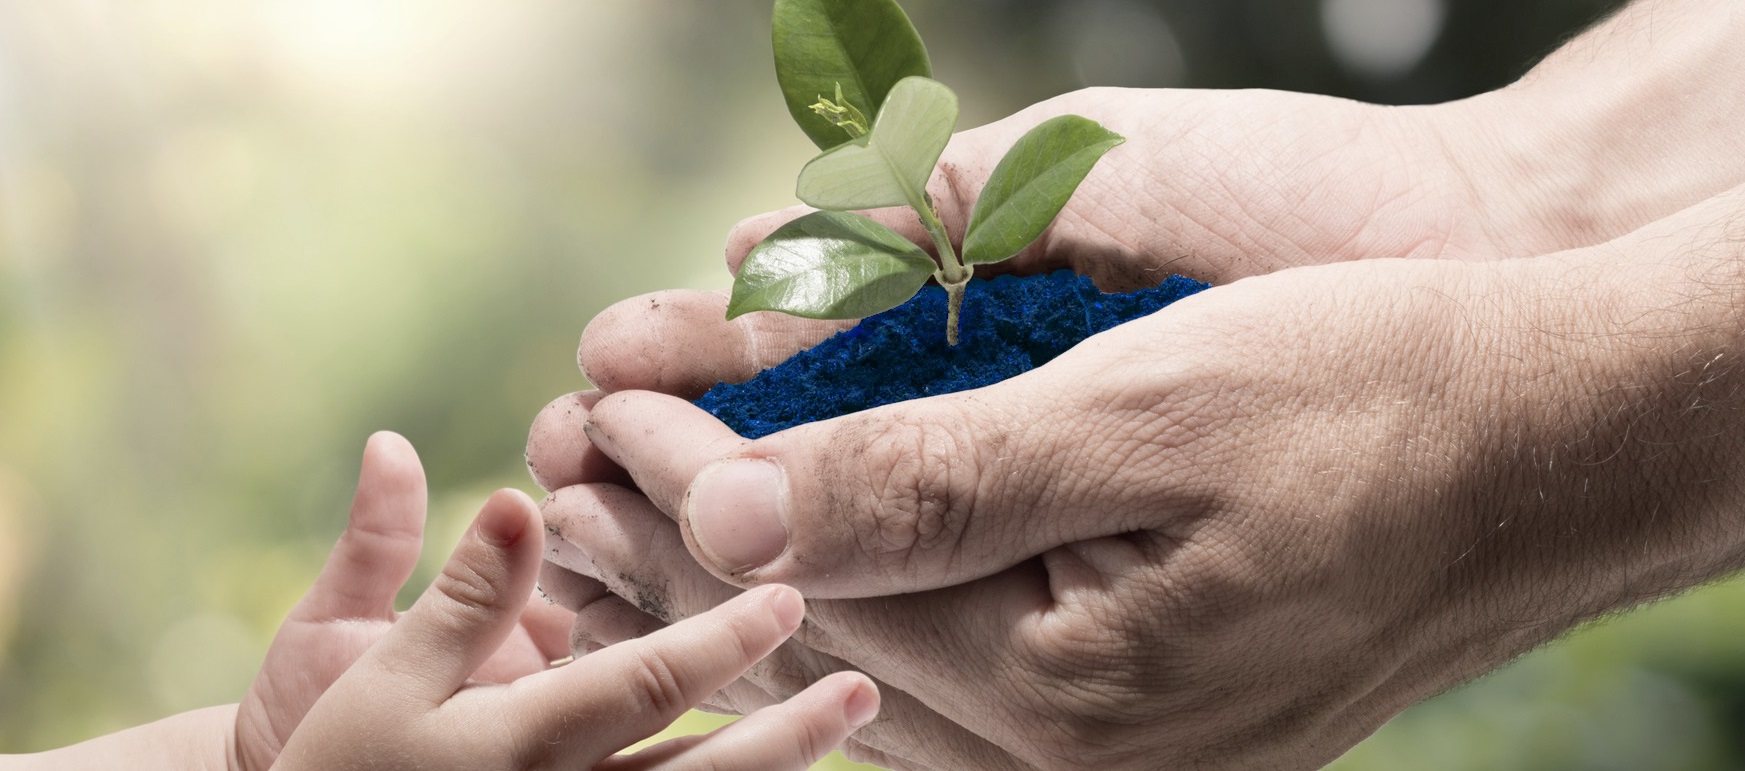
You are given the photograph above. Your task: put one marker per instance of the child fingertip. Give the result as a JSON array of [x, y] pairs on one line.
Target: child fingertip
[[787, 605], [382, 440], [504, 519], [862, 704]]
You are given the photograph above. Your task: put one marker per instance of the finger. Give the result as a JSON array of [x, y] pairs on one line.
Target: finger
[[636, 344], [646, 684], [607, 620], [472, 606], [558, 455], [642, 557], [644, 562], [662, 469], [640, 554], [908, 497], [566, 588], [381, 542], [791, 735], [610, 620]]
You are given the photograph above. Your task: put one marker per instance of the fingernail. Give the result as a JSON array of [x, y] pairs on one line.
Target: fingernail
[[862, 705], [735, 512], [789, 609]]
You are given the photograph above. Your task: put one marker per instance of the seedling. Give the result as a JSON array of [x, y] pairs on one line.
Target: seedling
[[858, 81]]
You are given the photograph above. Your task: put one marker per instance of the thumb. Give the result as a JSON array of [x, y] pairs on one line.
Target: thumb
[[380, 546], [908, 497], [472, 606]]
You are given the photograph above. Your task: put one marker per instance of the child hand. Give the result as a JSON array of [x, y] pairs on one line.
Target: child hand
[[411, 700], [352, 606]]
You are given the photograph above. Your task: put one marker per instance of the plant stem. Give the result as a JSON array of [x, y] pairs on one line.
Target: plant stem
[[954, 308], [952, 273]]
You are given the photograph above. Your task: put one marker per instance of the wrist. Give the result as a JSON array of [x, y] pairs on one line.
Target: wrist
[[200, 740], [1630, 123]]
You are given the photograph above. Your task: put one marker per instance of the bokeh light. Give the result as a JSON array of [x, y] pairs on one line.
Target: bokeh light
[[236, 236], [1381, 38], [1121, 43]]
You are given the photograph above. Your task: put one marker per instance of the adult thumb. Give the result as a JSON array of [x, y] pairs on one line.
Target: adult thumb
[[903, 498]]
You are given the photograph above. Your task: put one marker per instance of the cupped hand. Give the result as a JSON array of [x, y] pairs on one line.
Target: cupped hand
[[351, 606], [1117, 560], [1215, 185], [1219, 185], [1241, 533]]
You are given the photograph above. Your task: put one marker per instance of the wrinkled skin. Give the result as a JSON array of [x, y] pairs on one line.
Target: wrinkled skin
[[1245, 531], [1277, 563]]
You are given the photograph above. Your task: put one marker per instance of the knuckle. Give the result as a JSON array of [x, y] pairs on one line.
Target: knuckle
[[922, 491], [1095, 677], [467, 588], [657, 685]]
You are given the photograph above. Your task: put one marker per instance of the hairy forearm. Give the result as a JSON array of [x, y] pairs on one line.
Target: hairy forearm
[[1632, 121], [1607, 471], [193, 741], [1584, 451]]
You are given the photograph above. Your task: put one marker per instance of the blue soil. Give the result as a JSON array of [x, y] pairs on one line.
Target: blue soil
[[1010, 325]]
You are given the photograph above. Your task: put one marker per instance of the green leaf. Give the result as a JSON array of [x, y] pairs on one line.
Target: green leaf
[[1032, 184], [891, 165], [830, 265], [866, 46]]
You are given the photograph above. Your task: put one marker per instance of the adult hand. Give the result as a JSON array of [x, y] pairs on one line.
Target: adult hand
[[352, 606], [1225, 185], [1626, 125], [1241, 533]]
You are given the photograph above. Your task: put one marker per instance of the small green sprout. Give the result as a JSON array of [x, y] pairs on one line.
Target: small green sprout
[[843, 114], [835, 264]]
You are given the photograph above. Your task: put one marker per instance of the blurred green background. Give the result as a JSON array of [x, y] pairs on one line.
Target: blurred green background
[[236, 236]]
